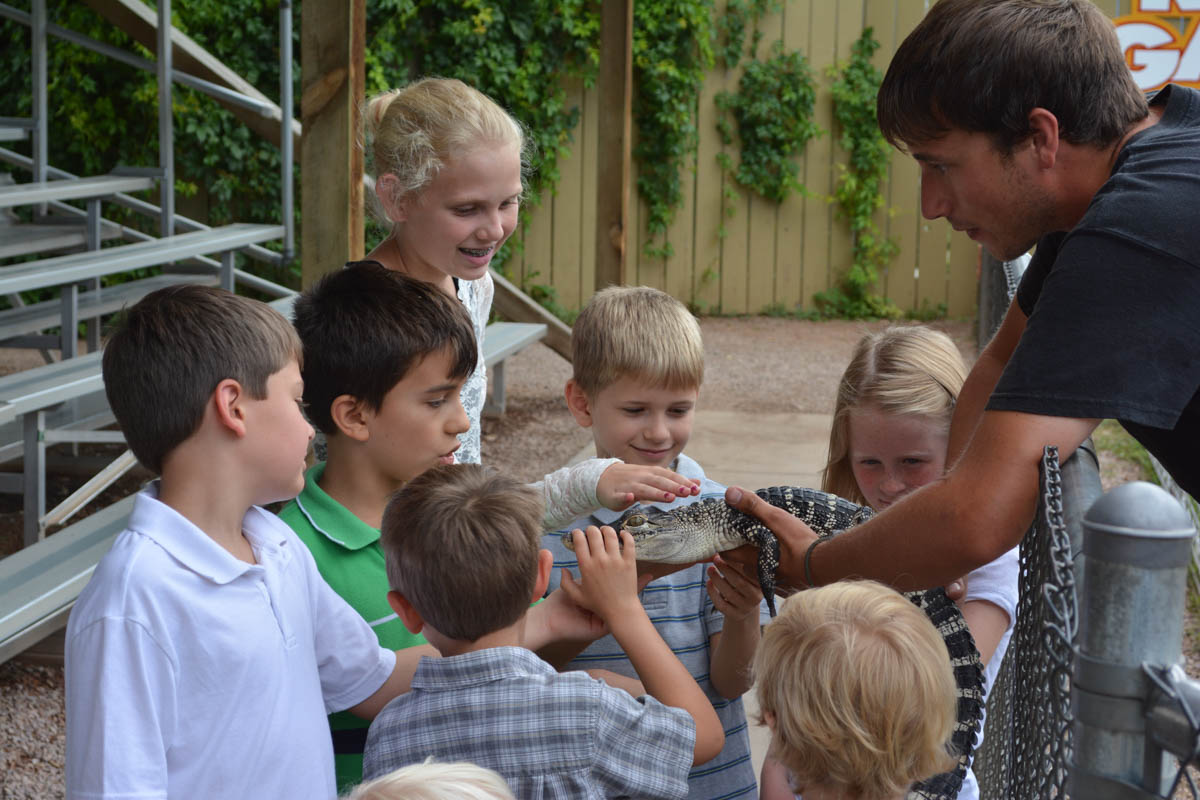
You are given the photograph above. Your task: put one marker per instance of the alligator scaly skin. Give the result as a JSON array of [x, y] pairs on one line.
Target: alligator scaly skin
[[700, 530]]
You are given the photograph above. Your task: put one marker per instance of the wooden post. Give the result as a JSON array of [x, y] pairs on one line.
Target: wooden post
[[615, 86], [332, 40]]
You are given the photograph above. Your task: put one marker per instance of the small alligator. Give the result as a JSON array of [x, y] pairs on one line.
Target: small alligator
[[700, 530]]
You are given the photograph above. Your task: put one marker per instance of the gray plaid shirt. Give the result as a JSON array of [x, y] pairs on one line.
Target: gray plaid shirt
[[549, 734]]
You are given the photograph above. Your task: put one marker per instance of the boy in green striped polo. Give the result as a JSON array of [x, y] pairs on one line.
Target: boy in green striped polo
[[385, 359]]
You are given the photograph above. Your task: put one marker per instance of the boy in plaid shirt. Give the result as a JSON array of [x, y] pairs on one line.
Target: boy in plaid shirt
[[464, 563]]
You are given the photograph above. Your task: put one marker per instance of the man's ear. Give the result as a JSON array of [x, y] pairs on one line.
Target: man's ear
[[545, 564], [405, 611], [227, 400], [578, 403], [1043, 126], [392, 197], [350, 415]]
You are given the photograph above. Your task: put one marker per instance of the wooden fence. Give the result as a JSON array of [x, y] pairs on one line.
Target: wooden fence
[[775, 256]]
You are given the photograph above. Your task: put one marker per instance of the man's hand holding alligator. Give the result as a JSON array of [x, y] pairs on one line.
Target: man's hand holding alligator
[[796, 542], [794, 539]]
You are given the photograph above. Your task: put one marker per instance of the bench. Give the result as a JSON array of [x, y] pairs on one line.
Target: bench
[[76, 268], [28, 194], [502, 340], [39, 585], [22, 320], [89, 266]]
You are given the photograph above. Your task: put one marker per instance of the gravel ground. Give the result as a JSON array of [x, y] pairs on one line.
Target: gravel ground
[[535, 435]]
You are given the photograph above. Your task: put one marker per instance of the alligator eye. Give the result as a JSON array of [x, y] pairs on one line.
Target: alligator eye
[[634, 521]]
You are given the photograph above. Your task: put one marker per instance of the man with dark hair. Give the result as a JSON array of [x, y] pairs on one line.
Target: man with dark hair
[[1029, 130]]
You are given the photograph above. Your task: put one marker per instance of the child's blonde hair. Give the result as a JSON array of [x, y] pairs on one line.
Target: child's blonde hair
[[903, 369], [411, 132], [636, 331], [433, 780], [861, 689]]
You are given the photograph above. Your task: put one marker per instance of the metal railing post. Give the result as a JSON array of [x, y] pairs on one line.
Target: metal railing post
[[166, 122], [1137, 543], [41, 104], [285, 132]]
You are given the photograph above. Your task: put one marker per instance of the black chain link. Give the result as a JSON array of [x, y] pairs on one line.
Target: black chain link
[[1027, 737]]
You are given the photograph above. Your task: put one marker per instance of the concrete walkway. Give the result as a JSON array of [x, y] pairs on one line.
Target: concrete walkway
[[754, 451]]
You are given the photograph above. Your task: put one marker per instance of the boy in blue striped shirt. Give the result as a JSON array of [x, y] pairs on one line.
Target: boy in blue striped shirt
[[638, 364]]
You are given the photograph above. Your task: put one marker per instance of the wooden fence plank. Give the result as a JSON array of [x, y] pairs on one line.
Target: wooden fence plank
[[734, 245], [588, 135], [904, 193], [841, 248], [677, 270], [880, 16], [962, 276], [818, 213], [538, 245], [705, 294], [566, 240], [762, 215], [789, 219]]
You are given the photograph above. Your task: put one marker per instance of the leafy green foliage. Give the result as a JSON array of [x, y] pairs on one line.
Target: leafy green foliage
[[859, 192], [672, 50], [731, 28], [773, 108]]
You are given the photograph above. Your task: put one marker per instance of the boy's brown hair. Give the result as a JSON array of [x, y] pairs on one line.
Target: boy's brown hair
[[861, 689], [982, 65], [461, 543], [166, 354], [364, 327], [636, 331]]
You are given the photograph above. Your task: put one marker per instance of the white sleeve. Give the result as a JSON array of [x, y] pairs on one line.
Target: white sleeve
[[350, 661], [996, 582], [570, 492], [120, 698]]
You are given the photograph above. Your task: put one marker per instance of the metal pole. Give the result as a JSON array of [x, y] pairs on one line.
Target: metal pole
[[166, 129], [41, 104], [1137, 543], [285, 132]]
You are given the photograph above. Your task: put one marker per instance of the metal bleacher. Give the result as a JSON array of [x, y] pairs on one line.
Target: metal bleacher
[[74, 266], [63, 265]]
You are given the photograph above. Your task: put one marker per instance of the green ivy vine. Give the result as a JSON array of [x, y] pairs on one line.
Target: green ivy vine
[[731, 28], [772, 108], [859, 192], [672, 50]]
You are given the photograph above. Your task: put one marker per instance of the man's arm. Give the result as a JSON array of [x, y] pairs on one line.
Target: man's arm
[[980, 510], [942, 531], [982, 380]]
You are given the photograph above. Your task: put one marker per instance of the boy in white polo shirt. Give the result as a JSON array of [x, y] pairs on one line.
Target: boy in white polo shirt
[[205, 652]]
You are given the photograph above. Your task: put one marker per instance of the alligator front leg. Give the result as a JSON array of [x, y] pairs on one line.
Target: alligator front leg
[[768, 562]]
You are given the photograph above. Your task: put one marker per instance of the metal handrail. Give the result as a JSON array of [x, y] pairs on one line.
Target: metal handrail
[[183, 223], [266, 109], [36, 20]]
